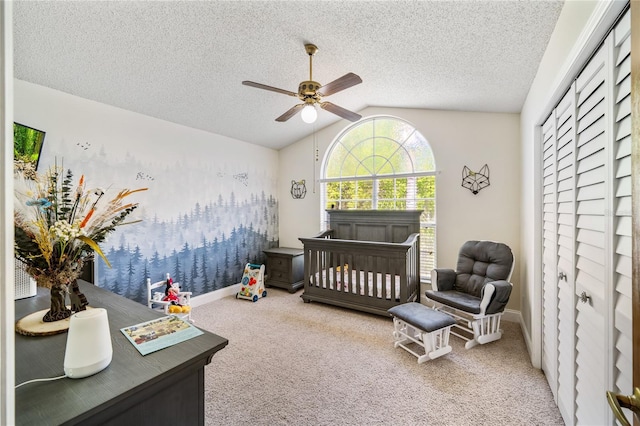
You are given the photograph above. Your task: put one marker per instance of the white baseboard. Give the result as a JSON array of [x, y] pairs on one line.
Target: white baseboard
[[203, 299], [512, 315]]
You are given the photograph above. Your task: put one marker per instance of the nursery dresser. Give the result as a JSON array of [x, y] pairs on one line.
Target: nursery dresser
[[162, 388], [285, 268]]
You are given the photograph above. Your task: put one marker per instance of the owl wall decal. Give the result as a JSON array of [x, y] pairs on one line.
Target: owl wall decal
[[475, 181]]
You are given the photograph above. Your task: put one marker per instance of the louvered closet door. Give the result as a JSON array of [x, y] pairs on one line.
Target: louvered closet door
[[558, 253], [549, 263], [565, 201], [587, 233], [622, 335], [603, 253], [592, 245]]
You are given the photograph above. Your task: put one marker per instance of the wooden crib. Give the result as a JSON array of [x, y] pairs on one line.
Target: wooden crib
[[368, 260]]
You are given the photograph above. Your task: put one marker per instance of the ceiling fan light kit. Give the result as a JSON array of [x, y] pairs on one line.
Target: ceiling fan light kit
[[309, 114], [311, 92]]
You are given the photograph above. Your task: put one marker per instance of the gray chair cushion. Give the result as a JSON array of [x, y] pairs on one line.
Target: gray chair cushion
[[456, 299], [422, 317], [480, 262]]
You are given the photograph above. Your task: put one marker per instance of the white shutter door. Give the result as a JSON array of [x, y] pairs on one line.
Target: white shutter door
[[565, 158], [622, 333], [586, 200], [591, 241], [549, 263]]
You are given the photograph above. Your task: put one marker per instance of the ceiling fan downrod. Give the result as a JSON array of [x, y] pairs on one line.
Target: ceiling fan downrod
[[311, 50], [307, 90]]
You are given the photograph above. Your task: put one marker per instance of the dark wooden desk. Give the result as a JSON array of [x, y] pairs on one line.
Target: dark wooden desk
[[162, 388]]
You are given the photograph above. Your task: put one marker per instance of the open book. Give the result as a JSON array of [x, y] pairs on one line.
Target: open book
[[159, 333]]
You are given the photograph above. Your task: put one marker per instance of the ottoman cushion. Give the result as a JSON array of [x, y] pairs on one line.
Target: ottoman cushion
[[421, 316]]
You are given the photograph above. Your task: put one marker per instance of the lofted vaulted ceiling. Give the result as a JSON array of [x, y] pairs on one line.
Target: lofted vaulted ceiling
[[184, 61]]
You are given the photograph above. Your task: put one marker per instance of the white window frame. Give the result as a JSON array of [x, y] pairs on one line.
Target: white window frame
[[428, 221]]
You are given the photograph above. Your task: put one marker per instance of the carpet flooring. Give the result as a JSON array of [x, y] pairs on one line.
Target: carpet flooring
[[295, 363]]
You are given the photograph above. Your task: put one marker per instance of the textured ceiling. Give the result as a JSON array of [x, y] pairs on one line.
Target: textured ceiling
[[184, 61]]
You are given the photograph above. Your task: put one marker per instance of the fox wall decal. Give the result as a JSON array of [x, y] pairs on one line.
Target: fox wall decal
[[475, 181]]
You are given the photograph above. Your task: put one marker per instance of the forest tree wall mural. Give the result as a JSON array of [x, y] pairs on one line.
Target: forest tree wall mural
[[210, 206], [204, 249]]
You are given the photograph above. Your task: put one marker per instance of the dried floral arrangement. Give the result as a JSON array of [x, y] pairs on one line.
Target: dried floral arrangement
[[59, 224]]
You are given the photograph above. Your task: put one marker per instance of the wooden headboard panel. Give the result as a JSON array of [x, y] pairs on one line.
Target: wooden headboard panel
[[389, 226]]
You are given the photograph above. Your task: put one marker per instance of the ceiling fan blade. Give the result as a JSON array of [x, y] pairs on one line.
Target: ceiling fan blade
[[338, 110], [293, 111], [265, 87], [342, 83]]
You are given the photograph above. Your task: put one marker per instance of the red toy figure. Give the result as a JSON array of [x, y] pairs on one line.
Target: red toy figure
[[171, 293]]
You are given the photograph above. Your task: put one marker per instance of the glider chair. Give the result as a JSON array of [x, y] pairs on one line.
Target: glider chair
[[476, 293]]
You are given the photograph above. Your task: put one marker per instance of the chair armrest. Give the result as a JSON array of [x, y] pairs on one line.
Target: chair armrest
[[443, 279], [495, 295], [184, 297]]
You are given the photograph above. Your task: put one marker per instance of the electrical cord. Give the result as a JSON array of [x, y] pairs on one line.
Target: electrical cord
[[40, 380]]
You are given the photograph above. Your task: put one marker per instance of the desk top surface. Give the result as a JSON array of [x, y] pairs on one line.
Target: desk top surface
[[66, 399]]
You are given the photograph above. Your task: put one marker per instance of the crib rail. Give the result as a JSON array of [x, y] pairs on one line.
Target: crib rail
[[365, 275]]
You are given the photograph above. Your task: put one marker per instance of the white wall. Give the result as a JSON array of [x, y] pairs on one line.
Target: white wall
[[580, 27], [457, 139]]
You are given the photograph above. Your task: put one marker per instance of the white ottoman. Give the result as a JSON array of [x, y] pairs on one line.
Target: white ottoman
[[417, 323]]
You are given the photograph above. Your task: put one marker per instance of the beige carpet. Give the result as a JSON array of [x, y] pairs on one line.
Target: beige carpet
[[295, 363]]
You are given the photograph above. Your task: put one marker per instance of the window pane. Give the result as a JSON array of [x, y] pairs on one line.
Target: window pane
[[357, 134], [426, 186], [396, 130], [386, 188], [422, 158], [401, 188], [332, 192], [401, 161], [366, 166], [347, 190], [364, 189], [349, 165], [386, 205], [348, 205], [334, 168]]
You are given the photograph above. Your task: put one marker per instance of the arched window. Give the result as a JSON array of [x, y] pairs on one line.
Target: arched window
[[383, 163]]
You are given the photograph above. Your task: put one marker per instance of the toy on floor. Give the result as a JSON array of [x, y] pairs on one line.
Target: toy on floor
[[252, 283], [172, 295], [172, 300]]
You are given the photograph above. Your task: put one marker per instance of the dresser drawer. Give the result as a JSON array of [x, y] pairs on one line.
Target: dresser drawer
[[278, 275], [279, 263]]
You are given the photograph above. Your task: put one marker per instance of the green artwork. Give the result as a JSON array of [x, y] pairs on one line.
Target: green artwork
[[27, 144]]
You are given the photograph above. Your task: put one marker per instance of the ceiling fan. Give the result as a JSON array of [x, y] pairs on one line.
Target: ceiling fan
[[311, 93]]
